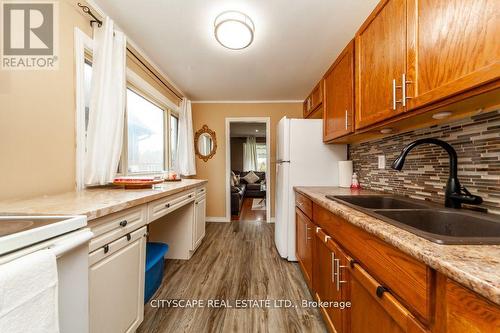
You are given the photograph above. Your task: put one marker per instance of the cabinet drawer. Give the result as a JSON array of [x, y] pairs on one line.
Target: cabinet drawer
[[409, 279], [162, 207], [114, 226], [110, 248], [201, 191], [374, 306], [304, 204]]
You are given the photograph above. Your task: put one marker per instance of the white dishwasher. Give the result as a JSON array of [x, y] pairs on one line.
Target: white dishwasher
[[68, 238]]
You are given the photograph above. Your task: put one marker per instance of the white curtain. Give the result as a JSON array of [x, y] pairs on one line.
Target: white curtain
[[185, 143], [107, 105], [250, 154]]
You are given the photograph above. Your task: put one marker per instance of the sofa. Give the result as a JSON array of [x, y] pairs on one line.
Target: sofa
[[237, 195], [254, 190], [243, 190]]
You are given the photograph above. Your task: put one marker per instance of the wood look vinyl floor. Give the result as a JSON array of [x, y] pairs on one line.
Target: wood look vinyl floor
[[247, 214], [236, 261]]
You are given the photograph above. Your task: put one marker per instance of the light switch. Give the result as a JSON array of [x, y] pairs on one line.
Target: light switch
[[381, 162]]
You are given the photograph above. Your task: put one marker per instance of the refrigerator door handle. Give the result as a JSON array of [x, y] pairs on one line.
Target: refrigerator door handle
[[281, 162]]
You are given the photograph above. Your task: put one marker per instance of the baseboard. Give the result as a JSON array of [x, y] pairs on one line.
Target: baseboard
[[221, 219]]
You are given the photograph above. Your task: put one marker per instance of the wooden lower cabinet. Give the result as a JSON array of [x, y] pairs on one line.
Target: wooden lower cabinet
[[462, 311], [200, 220], [304, 244], [342, 272], [375, 309], [403, 274]]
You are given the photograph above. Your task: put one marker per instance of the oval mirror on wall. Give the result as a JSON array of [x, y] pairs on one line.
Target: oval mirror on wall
[[205, 143]]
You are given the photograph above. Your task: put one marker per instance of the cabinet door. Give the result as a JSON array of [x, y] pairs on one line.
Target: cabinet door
[[116, 286], [317, 95], [381, 61], [374, 310], [338, 101], [307, 106], [331, 281], [304, 244], [453, 46], [199, 227]]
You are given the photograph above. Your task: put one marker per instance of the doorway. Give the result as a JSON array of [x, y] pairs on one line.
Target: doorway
[[248, 169]]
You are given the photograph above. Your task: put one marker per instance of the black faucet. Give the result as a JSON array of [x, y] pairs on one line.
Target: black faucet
[[455, 194]]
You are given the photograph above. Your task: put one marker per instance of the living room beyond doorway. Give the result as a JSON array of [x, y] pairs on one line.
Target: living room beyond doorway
[[248, 172]]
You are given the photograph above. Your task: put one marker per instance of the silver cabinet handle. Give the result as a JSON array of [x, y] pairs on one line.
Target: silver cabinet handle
[[403, 89], [333, 267], [394, 94], [346, 119], [305, 225], [394, 100], [318, 229], [327, 238], [338, 273], [307, 233]]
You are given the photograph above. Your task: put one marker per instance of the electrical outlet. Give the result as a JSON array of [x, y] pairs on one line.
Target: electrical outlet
[[381, 162]]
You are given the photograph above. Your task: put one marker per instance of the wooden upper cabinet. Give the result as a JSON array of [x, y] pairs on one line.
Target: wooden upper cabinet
[[412, 53], [452, 46], [380, 63], [314, 101], [338, 100], [317, 95]]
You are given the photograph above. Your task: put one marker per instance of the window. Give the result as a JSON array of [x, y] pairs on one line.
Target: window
[[150, 128], [145, 135], [174, 132], [87, 79], [261, 157]]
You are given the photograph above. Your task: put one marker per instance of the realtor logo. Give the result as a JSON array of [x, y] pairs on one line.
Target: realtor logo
[[29, 35]]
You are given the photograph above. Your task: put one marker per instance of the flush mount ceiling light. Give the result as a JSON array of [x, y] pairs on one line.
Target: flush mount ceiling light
[[234, 30]]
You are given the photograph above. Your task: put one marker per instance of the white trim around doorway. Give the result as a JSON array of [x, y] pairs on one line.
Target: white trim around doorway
[[267, 121]]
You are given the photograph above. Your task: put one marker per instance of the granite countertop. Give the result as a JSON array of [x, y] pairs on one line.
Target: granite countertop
[[474, 266], [94, 203]]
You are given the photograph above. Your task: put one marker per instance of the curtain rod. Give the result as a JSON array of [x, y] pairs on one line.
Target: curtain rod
[[87, 10], [152, 72]]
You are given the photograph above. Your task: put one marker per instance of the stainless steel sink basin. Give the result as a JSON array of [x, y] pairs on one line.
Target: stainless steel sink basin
[[446, 226], [378, 202], [427, 220]]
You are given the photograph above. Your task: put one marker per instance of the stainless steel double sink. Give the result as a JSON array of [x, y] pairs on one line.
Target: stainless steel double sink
[[427, 220]]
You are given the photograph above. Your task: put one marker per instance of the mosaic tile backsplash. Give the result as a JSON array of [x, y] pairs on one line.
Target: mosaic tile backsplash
[[424, 175]]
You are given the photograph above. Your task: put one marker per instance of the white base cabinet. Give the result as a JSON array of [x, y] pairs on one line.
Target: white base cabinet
[[200, 206], [118, 255], [117, 284]]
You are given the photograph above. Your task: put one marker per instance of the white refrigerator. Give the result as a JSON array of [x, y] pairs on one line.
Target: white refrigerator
[[302, 159]]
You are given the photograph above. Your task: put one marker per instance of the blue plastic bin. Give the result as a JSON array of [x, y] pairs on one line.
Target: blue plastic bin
[[155, 252]]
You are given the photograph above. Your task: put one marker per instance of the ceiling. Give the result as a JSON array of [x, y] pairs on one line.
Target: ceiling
[[295, 43], [240, 130]]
